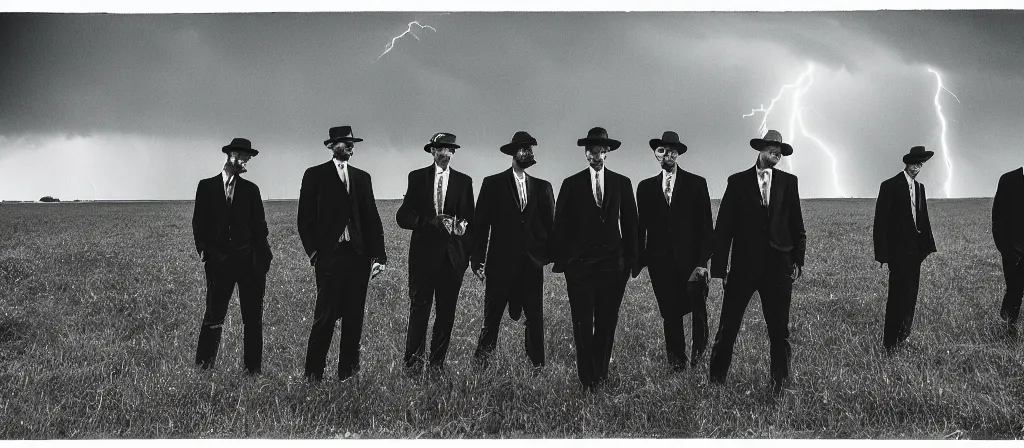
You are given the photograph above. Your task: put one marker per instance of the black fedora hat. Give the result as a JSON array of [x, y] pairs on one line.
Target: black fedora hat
[[341, 134], [771, 138], [239, 144], [917, 154], [599, 136], [441, 140], [668, 139], [520, 139]]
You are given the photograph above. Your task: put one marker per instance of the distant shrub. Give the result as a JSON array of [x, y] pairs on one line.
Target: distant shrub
[[48, 199]]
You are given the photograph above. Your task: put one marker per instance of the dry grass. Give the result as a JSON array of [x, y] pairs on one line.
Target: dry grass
[[101, 306]]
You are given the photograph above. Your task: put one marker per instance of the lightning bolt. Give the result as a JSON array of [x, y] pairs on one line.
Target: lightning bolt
[[763, 127], [796, 119], [945, 149], [391, 45], [94, 190]]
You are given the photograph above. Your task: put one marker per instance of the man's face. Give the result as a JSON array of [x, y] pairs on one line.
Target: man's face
[[442, 155], [913, 169], [770, 156], [237, 161], [524, 157], [596, 156], [666, 156], [343, 150]]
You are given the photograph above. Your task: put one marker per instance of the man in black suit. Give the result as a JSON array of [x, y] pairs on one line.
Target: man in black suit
[[903, 238], [438, 208], [342, 234], [675, 241], [594, 244], [230, 230], [761, 221], [1008, 232], [517, 212]]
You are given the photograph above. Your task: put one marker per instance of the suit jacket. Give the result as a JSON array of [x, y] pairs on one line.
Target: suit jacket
[[895, 236], [584, 230], [430, 245], [685, 224], [1008, 214], [748, 227], [511, 234], [220, 229], [326, 207]]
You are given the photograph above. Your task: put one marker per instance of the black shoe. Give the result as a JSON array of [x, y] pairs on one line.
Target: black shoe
[[314, 377], [256, 371]]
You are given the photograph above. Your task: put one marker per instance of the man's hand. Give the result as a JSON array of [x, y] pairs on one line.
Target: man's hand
[[441, 222], [697, 272], [376, 269], [312, 259], [459, 228], [479, 271], [881, 265], [797, 272]]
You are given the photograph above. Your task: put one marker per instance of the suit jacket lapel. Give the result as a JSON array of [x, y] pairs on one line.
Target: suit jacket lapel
[[513, 189], [431, 187], [451, 195], [604, 191], [775, 195]]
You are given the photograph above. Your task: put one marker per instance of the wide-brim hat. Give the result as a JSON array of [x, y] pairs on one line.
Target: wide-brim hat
[[917, 154], [668, 139], [771, 138], [341, 134], [441, 140], [520, 139], [239, 144], [599, 137]]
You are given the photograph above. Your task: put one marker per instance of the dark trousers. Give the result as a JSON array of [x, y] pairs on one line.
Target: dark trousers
[[675, 301], [341, 281], [442, 285], [527, 289], [595, 296], [775, 286], [904, 279], [1013, 272], [221, 278]]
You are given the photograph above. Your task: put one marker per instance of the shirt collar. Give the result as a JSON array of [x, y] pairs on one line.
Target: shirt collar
[[341, 165], [224, 176], [675, 171], [910, 181], [516, 176], [762, 171], [438, 170], [594, 172]]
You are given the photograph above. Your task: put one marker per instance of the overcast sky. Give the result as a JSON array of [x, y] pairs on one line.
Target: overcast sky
[[138, 106]]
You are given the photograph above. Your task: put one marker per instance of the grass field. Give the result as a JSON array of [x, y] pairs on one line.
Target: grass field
[[100, 306]]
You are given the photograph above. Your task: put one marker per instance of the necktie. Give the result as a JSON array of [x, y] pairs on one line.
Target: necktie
[[344, 181], [600, 195], [522, 194], [668, 188], [229, 189], [440, 199], [764, 188]]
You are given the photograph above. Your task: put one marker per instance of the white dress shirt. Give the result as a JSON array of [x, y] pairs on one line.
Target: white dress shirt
[[521, 187], [443, 175], [911, 185], [593, 184], [669, 185], [342, 168], [229, 190], [764, 178]]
